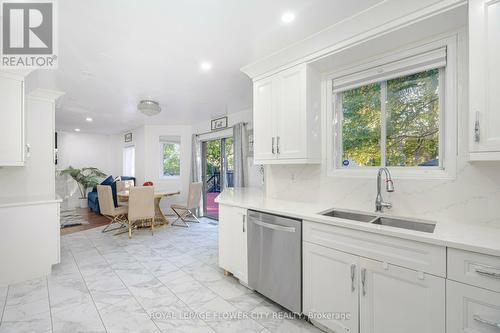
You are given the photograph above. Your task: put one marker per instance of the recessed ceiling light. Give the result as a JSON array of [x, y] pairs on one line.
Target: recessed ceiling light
[[77, 130], [288, 17], [89, 119], [206, 66]]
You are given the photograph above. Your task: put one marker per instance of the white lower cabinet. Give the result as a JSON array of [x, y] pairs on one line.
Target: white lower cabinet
[[330, 287], [233, 241], [395, 300], [471, 309], [347, 293]]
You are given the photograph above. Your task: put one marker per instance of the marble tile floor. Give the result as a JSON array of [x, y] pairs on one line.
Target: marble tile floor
[[169, 282]]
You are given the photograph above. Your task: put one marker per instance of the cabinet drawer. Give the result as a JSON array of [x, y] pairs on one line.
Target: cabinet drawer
[[477, 269], [401, 252], [471, 310]]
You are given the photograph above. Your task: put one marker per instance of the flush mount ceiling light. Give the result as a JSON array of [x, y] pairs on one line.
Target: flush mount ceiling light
[[77, 130], [149, 107], [287, 17], [89, 119], [206, 66]]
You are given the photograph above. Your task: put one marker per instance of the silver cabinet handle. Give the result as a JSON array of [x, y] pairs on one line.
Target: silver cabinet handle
[[486, 322], [244, 218], [353, 275], [363, 280], [487, 273], [272, 145], [477, 129], [274, 226], [278, 145]]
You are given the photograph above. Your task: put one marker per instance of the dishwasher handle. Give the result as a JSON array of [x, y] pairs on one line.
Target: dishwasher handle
[[274, 226]]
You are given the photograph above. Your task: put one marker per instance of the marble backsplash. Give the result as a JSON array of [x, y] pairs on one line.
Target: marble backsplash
[[472, 197]]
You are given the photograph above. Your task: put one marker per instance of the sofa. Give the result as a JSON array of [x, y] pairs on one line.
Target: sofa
[[93, 199]]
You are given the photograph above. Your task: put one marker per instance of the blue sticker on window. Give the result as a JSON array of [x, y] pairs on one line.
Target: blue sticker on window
[[345, 162]]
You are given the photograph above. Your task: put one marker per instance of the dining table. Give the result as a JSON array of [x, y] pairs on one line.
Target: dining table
[[160, 218]]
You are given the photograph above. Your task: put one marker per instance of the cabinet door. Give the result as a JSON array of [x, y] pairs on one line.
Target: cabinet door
[[471, 309], [265, 103], [330, 288], [291, 125], [12, 123], [233, 241], [395, 300], [484, 62]]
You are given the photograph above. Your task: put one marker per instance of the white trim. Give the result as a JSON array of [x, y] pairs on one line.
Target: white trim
[[378, 20], [378, 71], [448, 117]]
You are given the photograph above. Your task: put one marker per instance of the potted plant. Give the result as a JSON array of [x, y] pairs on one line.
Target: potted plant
[[85, 178]]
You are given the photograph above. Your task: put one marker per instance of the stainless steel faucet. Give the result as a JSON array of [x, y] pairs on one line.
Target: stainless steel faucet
[[389, 187]]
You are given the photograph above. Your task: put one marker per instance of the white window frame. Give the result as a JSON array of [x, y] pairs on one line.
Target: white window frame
[[124, 162], [448, 116], [170, 140]]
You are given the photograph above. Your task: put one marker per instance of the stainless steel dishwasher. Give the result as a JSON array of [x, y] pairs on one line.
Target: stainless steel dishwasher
[[275, 258]]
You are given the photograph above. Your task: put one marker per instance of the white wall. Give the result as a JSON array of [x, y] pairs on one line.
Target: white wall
[[81, 150], [472, 197], [255, 177]]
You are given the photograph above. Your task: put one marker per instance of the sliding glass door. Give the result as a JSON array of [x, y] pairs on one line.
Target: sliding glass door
[[218, 157]]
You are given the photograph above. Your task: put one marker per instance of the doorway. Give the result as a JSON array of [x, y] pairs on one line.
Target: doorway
[[218, 168]]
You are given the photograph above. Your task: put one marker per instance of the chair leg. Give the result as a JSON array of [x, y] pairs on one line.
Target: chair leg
[[179, 217], [130, 229], [194, 216], [152, 226], [115, 219]]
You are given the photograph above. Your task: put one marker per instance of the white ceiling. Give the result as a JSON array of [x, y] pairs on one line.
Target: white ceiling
[[113, 53]]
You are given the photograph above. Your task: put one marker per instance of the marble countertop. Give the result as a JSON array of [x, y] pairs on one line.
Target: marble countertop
[[15, 201], [470, 237]]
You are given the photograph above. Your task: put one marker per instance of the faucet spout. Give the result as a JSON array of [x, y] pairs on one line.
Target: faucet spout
[[389, 187]]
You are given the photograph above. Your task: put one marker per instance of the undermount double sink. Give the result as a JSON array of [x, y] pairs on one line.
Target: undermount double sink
[[402, 223]]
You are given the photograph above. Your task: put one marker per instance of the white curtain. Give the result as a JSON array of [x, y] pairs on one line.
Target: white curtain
[[240, 141], [195, 159]]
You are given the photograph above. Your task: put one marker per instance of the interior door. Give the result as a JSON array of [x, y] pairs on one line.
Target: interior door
[[331, 287], [265, 101], [395, 299], [484, 63], [291, 134]]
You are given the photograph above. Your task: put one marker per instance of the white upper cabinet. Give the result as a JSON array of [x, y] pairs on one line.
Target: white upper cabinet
[[287, 117], [484, 76], [12, 120], [264, 133]]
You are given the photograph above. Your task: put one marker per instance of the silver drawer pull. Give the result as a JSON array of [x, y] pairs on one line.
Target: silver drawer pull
[[363, 281], [486, 322], [353, 275], [274, 226], [487, 273]]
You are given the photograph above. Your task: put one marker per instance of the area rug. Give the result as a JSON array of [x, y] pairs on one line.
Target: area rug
[[71, 217]]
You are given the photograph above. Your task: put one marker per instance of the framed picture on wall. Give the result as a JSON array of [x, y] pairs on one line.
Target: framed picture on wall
[[218, 123], [128, 137]]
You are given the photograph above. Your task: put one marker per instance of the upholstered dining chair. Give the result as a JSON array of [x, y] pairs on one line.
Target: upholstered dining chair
[[185, 211], [108, 209], [123, 185], [141, 207]]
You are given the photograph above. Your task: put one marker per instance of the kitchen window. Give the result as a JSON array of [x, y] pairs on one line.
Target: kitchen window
[[170, 157], [392, 115]]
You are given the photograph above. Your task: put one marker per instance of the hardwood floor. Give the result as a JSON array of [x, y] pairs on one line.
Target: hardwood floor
[[95, 220]]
